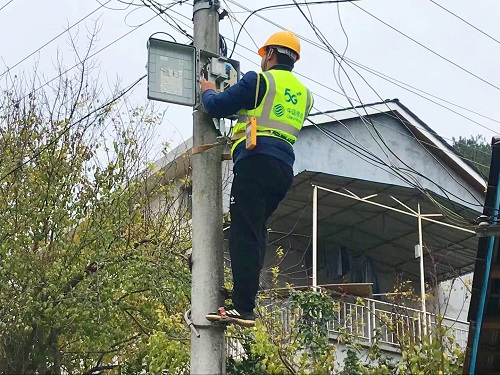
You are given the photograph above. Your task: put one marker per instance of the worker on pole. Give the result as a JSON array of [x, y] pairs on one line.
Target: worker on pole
[[276, 103]]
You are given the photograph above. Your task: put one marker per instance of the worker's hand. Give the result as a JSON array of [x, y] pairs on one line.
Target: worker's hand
[[206, 85]]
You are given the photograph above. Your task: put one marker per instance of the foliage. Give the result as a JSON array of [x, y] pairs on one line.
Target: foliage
[[292, 338], [277, 345], [435, 353], [93, 279], [476, 149]]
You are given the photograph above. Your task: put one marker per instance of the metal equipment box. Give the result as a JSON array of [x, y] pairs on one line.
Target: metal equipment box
[[171, 72]]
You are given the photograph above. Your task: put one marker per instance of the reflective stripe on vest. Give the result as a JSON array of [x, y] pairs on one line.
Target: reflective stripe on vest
[[276, 104], [264, 119]]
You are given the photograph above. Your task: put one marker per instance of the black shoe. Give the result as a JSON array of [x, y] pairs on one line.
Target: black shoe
[[231, 315]]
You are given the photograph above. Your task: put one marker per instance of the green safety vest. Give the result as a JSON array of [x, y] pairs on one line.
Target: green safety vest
[[282, 111]]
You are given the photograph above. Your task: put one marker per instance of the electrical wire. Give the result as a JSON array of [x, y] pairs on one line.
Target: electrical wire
[[68, 127], [230, 17], [364, 149], [6, 5], [380, 137], [429, 49], [384, 144], [413, 171], [362, 118], [371, 158], [54, 38], [128, 5], [370, 106], [465, 21], [164, 33], [380, 75], [404, 134], [406, 176], [342, 57], [161, 11], [399, 84], [90, 56], [427, 144], [222, 46], [279, 6], [366, 120]]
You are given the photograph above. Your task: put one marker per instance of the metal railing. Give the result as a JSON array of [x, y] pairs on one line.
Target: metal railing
[[368, 320]]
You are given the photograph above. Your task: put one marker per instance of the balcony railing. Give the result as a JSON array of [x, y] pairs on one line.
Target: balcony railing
[[367, 321]]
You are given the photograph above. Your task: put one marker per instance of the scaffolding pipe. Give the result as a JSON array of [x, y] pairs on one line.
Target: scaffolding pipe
[[422, 271], [315, 239]]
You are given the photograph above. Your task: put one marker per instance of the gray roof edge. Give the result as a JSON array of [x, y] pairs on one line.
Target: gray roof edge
[[347, 113]]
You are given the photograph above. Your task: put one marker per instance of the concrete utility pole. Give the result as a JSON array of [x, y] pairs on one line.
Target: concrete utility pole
[[207, 350]]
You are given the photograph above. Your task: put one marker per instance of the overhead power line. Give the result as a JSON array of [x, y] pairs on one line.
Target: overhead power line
[[370, 106], [429, 49], [393, 167], [465, 21], [368, 120], [54, 38], [380, 75], [252, 12], [68, 127], [403, 173], [371, 158], [6, 5], [90, 56]]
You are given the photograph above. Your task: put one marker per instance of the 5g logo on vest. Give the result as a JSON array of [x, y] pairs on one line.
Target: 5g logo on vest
[[291, 97]]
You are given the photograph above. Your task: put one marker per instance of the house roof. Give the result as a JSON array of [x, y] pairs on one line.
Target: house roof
[[426, 136]]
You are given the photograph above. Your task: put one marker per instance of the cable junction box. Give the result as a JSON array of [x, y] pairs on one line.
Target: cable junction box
[[172, 72], [224, 72]]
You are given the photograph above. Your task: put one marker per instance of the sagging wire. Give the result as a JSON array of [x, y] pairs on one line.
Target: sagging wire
[[164, 33], [371, 158], [394, 170], [275, 7], [54, 38], [128, 5], [380, 75], [379, 135], [381, 124], [230, 16], [68, 127], [412, 182]]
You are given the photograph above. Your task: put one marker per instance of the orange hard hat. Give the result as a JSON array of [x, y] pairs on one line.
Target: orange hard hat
[[284, 39]]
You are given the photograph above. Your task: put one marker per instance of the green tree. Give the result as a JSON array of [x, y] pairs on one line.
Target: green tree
[[477, 149], [303, 333], [92, 278]]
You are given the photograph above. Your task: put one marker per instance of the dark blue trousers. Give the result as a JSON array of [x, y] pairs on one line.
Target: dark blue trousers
[[260, 183]]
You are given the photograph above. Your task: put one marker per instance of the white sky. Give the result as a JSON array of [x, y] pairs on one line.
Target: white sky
[[25, 25]]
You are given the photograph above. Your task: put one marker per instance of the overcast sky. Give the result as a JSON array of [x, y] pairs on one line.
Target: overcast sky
[[25, 25]]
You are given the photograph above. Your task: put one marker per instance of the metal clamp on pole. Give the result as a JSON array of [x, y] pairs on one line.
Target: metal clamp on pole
[[189, 322], [221, 141], [205, 4]]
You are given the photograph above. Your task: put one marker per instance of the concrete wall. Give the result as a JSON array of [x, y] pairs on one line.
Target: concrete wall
[[452, 297], [316, 152]]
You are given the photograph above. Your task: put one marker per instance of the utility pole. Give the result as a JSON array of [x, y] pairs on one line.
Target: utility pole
[[207, 350]]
